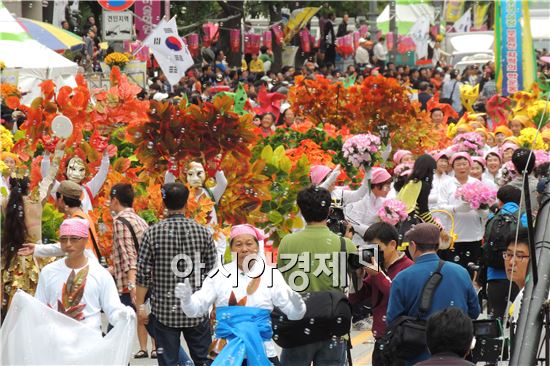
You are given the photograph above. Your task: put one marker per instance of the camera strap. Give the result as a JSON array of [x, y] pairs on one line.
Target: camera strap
[[428, 290], [344, 250]]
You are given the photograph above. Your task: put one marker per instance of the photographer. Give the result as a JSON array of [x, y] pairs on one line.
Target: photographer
[[314, 245], [377, 281]]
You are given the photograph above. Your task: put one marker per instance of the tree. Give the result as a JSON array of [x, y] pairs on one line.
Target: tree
[[233, 11]]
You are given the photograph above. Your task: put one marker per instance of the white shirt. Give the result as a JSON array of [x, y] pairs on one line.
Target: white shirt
[[380, 51], [100, 292], [345, 196], [363, 214], [469, 223], [487, 176], [361, 55], [437, 182], [488, 181], [272, 291]]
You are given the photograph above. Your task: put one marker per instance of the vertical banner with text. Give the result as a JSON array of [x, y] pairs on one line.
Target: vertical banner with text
[[149, 11], [508, 33]]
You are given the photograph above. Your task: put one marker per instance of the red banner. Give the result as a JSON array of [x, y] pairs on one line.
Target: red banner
[[364, 31], [252, 43], [305, 41], [193, 44], [267, 39], [344, 45], [235, 40], [279, 35], [149, 11], [210, 34]]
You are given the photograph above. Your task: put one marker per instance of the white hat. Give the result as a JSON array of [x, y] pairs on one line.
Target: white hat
[[284, 107], [160, 96], [362, 40]]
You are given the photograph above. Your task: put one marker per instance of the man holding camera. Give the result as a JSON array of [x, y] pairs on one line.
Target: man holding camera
[[455, 288], [310, 262], [379, 275]]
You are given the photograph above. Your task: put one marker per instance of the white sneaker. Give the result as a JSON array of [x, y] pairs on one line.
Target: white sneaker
[[364, 324]]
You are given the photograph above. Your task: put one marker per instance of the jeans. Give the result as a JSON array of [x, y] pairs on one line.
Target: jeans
[[324, 353], [198, 340]]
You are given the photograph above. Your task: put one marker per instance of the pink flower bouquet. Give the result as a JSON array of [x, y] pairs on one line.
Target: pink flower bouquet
[[470, 142], [361, 149], [541, 157], [477, 194], [393, 212]]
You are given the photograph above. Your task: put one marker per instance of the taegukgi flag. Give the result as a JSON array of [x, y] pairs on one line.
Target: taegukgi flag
[[169, 49]]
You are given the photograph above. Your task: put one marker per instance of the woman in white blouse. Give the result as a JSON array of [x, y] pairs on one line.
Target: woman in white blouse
[[493, 160], [440, 177], [324, 177], [469, 223], [479, 166], [249, 283], [364, 213]]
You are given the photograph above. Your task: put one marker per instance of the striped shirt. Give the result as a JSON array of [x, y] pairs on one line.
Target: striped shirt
[[124, 254]]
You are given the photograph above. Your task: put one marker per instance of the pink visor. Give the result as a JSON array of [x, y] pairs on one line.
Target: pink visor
[[246, 229], [75, 227], [318, 173]]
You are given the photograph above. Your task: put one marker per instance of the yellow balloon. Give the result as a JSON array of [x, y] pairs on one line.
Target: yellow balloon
[[468, 96]]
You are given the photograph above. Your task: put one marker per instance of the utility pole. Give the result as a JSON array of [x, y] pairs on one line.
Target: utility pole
[[438, 12], [393, 30], [372, 15]]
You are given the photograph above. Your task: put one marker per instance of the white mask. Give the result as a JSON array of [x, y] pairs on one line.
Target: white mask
[[196, 175], [76, 170]]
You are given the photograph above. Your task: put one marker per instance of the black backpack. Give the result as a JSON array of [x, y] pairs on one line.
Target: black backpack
[[328, 314], [494, 239], [405, 338]]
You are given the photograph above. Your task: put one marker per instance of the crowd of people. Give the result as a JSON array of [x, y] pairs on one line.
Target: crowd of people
[[175, 278]]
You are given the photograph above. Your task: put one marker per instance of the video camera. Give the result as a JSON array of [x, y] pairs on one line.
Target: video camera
[[489, 341], [336, 221], [364, 256]]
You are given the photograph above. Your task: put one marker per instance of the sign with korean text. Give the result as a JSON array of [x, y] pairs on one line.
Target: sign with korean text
[[117, 25], [511, 47]]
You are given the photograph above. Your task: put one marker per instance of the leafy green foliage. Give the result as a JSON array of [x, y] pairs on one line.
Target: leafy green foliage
[[286, 181], [51, 220]]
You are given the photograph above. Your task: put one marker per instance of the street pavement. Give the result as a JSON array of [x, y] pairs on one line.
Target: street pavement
[[361, 352]]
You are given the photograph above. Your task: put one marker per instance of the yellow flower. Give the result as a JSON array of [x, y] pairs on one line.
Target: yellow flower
[[451, 130], [3, 167], [117, 59], [531, 139], [2, 65], [6, 139]]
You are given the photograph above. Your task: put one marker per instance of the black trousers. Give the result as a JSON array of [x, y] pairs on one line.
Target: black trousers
[[497, 297], [274, 361], [198, 339], [463, 253]]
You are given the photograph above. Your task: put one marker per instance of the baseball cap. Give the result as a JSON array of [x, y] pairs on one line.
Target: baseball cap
[[70, 189], [423, 233]]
